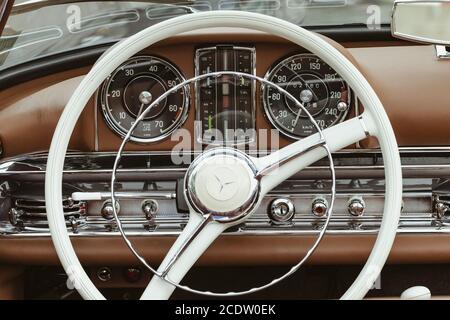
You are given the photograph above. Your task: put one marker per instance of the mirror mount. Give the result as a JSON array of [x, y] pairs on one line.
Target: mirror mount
[[443, 52]]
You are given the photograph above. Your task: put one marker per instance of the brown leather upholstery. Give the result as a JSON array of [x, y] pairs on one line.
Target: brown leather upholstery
[[410, 89], [233, 250]]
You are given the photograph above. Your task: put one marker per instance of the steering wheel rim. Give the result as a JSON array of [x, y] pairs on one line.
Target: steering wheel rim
[[376, 123], [255, 288]]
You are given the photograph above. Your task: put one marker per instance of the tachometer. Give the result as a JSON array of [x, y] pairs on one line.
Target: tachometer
[[312, 82], [128, 91]]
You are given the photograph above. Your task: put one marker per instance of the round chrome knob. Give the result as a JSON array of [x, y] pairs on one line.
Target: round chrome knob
[[281, 210], [145, 97], [108, 211], [319, 207], [14, 216], [342, 106], [306, 96], [150, 208], [356, 206]]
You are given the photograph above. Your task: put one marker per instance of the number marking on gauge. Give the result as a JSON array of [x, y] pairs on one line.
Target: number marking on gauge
[[314, 84], [132, 88]]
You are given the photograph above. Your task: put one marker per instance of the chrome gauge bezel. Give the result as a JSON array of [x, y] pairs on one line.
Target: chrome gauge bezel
[[119, 130], [267, 112], [198, 120]]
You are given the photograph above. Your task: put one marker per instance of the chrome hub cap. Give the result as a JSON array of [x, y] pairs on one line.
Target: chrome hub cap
[[221, 183]]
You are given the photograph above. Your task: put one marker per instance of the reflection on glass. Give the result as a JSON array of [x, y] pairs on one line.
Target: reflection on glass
[[425, 21], [50, 26]]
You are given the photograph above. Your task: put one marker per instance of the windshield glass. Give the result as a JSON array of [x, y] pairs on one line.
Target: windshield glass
[[38, 28]]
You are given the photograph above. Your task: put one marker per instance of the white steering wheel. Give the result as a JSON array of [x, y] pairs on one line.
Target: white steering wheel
[[213, 212]]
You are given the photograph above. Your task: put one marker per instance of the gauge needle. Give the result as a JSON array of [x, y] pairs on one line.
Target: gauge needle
[[296, 118], [140, 110]]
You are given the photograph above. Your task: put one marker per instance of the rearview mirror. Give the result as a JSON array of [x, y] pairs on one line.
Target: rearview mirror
[[426, 21]]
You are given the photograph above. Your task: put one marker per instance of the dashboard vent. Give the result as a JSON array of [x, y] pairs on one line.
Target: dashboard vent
[[36, 207]]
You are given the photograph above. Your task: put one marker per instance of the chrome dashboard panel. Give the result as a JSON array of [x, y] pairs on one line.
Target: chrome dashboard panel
[[149, 176], [365, 163]]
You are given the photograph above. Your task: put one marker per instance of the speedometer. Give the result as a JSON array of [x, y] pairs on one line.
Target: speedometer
[[132, 87], [313, 83]]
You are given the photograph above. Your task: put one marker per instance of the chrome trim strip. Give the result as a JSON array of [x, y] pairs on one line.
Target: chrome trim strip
[[257, 225], [287, 232], [6, 162], [86, 196]]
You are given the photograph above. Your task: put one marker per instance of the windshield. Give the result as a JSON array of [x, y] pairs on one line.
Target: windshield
[[38, 28]]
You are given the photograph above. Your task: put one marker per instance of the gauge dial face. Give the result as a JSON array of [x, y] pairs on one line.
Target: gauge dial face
[[314, 84], [132, 88]]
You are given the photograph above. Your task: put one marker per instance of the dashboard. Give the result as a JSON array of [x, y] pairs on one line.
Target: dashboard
[[225, 103], [43, 99], [223, 109], [232, 110]]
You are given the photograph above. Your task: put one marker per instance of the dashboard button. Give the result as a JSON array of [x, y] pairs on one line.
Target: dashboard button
[[108, 211], [281, 210], [319, 207], [356, 206], [132, 275]]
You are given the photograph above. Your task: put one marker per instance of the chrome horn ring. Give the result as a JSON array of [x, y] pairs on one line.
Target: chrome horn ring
[[249, 206]]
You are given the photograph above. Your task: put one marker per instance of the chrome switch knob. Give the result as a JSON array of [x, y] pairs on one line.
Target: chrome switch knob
[[150, 208], [342, 106], [356, 206], [108, 210], [441, 209], [319, 207], [281, 210]]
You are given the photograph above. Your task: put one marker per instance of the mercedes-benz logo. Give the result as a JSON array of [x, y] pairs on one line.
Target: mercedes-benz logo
[[222, 184]]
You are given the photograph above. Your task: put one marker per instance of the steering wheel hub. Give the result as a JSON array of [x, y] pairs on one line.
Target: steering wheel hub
[[221, 183]]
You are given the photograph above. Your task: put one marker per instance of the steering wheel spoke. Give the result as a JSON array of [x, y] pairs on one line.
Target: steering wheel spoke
[[280, 165], [199, 233]]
